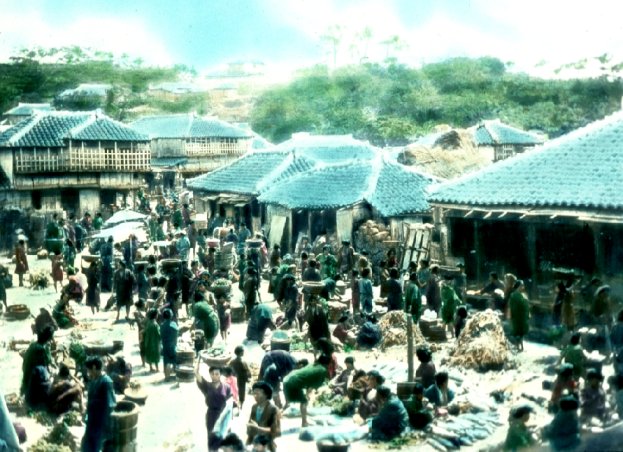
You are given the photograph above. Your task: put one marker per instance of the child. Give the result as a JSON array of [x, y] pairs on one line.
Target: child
[[460, 320], [224, 316], [232, 381], [242, 372], [574, 354]]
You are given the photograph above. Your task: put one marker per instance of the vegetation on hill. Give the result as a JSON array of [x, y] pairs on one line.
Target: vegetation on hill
[[390, 104]]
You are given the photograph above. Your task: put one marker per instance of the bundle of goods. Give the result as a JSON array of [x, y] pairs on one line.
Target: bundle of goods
[[394, 328], [371, 237], [221, 287], [39, 280], [215, 356], [42, 254], [482, 344]]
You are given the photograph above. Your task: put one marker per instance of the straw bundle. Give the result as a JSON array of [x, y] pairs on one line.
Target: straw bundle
[[394, 328]]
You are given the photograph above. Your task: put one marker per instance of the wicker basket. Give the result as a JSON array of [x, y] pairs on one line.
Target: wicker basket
[[314, 288], [214, 361]]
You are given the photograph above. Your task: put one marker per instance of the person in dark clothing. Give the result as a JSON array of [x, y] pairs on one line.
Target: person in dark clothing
[[460, 320], [369, 334], [316, 318], [433, 294], [392, 419], [93, 289], [242, 371], [216, 394], [106, 254], [275, 366], [564, 430], [419, 409], [393, 289], [124, 286], [250, 291], [100, 404], [311, 273], [426, 370], [260, 319]]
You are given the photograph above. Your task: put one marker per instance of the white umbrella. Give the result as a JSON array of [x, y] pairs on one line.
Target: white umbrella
[[121, 232], [124, 216]]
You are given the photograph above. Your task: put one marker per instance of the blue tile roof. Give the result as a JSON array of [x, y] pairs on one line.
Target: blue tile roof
[[490, 133], [328, 148], [187, 126], [388, 186], [322, 188], [101, 128], [400, 189], [245, 175], [583, 169], [28, 109], [53, 128]]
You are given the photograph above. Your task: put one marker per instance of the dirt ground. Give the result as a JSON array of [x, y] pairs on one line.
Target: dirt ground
[[173, 417]]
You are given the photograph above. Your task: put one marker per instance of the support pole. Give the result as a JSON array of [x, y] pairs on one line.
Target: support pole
[[410, 372]]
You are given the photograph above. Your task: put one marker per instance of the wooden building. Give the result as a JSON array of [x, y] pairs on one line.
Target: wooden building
[[559, 205], [309, 184], [187, 145], [72, 161], [504, 140]]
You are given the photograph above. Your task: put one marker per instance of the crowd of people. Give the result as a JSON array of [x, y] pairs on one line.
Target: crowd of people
[[180, 276]]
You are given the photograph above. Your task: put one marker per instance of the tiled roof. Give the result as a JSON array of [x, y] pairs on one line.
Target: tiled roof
[[400, 189], [328, 148], [187, 126], [583, 169], [490, 133], [53, 128], [245, 175], [28, 109], [390, 187], [326, 187], [102, 128], [42, 130], [88, 89]]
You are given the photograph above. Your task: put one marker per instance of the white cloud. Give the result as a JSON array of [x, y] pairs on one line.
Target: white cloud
[[111, 34]]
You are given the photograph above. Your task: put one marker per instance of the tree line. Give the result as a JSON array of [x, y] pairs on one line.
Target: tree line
[[391, 104]]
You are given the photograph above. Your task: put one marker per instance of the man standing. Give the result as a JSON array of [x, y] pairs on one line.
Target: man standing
[[346, 258], [100, 404]]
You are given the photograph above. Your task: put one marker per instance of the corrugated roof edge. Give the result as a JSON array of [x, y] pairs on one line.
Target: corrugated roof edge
[[571, 136]]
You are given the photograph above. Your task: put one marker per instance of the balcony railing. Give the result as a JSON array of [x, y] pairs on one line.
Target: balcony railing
[[83, 158]]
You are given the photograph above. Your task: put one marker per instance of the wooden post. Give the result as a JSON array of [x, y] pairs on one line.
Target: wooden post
[[532, 258], [477, 258], [410, 373]]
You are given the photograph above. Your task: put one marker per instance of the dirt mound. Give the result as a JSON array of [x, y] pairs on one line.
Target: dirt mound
[[482, 344], [394, 328]]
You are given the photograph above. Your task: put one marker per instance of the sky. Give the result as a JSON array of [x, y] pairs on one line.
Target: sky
[[535, 35]]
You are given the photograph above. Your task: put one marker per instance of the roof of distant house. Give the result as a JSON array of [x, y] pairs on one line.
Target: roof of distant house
[[52, 129], [25, 109], [583, 169], [187, 126], [490, 133], [88, 89]]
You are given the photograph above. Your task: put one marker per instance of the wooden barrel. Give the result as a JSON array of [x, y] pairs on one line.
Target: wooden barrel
[[237, 314], [124, 421], [185, 373], [185, 357]]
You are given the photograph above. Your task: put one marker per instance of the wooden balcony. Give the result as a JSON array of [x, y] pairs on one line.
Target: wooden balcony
[[134, 158]]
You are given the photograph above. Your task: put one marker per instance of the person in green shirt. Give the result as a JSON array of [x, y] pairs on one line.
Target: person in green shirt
[[519, 436], [520, 313], [300, 381], [449, 301], [419, 408], [98, 221], [413, 298], [152, 340], [207, 320], [574, 354]]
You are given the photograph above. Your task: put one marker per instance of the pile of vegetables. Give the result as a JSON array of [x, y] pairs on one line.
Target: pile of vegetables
[[39, 280]]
